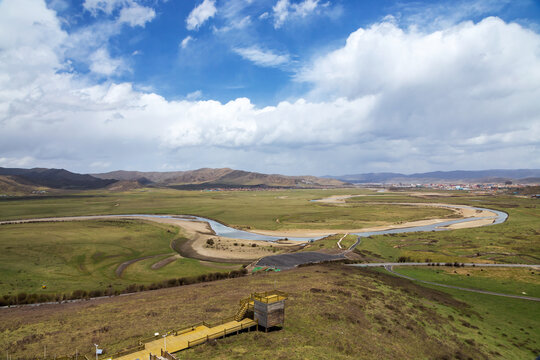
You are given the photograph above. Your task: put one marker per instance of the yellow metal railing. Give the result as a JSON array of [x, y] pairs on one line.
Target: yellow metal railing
[[270, 296]]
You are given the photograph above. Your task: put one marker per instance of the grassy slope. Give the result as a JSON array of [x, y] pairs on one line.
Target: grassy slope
[[274, 209], [505, 323], [507, 281], [84, 255], [334, 312]]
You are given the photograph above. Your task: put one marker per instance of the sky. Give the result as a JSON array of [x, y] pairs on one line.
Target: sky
[[320, 87]]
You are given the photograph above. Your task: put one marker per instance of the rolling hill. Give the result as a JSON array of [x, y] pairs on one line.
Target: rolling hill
[[224, 177], [53, 178]]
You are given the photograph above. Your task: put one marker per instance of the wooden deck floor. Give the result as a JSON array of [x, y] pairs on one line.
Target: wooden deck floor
[[197, 336]]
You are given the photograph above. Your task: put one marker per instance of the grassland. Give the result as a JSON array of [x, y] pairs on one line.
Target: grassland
[[516, 281], [515, 241], [504, 322], [275, 210], [334, 312], [70, 256], [84, 255]]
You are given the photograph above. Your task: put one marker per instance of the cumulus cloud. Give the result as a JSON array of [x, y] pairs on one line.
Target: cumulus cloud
[[186, 41], [131, 12], [200, 14], [265, 58], [102, 63], [389, 99], [106, 6], [285, 10], [449, 85], [136, 15]]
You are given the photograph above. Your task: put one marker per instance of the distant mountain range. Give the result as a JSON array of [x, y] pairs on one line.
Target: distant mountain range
[[24, 181], [524, 176], [215, 178], [51, 178]]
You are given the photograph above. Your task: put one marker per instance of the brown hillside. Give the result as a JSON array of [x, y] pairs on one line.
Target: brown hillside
[[222, 176], [13, 186]]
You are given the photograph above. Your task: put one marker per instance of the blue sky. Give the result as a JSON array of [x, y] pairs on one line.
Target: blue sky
[[277, 86], [209, 63]]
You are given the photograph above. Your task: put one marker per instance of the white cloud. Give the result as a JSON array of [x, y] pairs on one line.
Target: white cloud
[[131, 12], [265, 58], [106, 6], [235, 24], [389, 99], [102, 63], [449, 85], [136, 15], [186, 41], [200, 14], [285, 10], [16, 162], [59, 5], [195, 95], [439, 15]]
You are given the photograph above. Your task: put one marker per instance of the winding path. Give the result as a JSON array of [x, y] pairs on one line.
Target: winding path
[[123, 266]]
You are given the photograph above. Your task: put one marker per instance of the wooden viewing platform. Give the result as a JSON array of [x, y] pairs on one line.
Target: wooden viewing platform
[[267, 309]]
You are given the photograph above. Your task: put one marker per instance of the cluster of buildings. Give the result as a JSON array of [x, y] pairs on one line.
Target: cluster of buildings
[[507, 186]]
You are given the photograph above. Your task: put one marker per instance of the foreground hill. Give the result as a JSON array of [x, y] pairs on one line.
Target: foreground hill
[[525, 176], [333, 312], [224, 177], [53, 178]]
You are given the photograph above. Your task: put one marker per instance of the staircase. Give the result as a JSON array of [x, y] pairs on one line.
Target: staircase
[[242, 311]]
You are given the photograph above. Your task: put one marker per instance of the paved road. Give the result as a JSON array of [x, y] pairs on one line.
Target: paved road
[[536, 266], [388, 267]]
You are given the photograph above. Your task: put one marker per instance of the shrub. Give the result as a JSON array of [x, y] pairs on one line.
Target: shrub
[[21, 297], [210, 242], [96, 293], [79, 294]]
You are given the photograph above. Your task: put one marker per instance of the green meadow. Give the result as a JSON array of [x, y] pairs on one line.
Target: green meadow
[[506, 325], [515, 241], [269, 210], [514, 281], [85, 255]]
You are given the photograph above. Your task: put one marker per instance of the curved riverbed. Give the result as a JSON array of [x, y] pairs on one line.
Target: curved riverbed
[[229, 232]]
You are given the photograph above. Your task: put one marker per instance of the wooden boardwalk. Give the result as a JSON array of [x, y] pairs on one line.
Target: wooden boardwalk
[[188, 338]]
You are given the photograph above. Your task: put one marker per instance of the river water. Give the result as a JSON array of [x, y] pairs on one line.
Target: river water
[[229, 232]]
